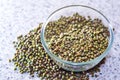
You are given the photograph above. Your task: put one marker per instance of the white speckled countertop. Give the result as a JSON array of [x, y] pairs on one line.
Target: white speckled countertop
[[19, 16]]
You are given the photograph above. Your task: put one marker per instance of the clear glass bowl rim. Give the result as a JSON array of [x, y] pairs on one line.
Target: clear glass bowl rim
[[44, 44]]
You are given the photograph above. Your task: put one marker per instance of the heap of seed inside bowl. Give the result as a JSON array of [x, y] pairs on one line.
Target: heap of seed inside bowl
[[77, 38], [31, 58]]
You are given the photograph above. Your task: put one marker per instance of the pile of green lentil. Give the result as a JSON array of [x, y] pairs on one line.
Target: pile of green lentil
[[77, 38], [30, 57]]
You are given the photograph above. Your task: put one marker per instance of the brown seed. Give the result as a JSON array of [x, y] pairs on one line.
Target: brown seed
[[30, 56]]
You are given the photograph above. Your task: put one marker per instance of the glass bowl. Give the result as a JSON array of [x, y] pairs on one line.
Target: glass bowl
[[84, 11]]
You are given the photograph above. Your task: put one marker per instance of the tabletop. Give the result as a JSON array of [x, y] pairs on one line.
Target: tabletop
[[20, 16]]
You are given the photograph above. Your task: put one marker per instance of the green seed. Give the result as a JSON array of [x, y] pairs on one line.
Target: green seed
[[30, 56]]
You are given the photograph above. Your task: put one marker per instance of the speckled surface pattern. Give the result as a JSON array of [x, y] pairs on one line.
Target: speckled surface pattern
[[19, 16]]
